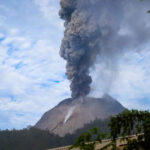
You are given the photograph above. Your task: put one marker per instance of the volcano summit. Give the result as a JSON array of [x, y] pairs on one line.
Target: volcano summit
[[96, 32], [73, 114]]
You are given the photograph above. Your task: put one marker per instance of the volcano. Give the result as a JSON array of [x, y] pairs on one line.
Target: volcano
[[72, 114]]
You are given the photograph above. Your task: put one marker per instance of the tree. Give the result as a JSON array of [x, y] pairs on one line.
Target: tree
[[89, 139], [124, 124], [129, 123]]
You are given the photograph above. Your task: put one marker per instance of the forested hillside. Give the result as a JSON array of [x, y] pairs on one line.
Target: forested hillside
[[35, 139]]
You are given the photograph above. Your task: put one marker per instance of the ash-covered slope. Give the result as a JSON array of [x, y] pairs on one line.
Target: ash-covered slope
[[70, 115]]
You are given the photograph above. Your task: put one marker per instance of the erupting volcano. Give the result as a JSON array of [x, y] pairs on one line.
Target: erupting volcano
[[95, 31], [73, 114]]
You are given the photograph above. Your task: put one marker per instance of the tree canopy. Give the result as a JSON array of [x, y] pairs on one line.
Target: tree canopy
[[127, 123]]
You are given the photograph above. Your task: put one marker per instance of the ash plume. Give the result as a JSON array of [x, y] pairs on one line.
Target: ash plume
[[100, 30]]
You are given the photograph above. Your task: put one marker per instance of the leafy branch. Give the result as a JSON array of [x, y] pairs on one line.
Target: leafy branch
[[123, 125]]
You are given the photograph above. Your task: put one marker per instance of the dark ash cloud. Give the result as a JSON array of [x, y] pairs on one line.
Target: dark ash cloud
[[99, 29]]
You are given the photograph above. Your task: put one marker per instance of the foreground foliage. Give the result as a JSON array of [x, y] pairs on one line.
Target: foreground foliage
[[35, 139], [124, 124], [89, 139], [132, 122]]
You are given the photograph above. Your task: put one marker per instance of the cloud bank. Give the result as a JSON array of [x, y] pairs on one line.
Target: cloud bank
[[32, 74]]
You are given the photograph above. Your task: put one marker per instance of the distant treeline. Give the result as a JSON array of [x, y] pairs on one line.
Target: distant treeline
[[36, 139]]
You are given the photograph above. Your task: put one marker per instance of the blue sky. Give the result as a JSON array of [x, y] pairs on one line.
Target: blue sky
[[32, 74]]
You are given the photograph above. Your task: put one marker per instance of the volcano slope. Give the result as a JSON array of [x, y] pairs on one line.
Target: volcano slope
[[72, 114]]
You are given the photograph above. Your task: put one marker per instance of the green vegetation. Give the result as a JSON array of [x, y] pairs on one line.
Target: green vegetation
[[124, 124], [132, 122], [35, 139], [89, 139], [27, 139]]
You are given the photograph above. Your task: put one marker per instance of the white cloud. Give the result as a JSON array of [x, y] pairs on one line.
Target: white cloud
[[34, 75], [50, 10], [32, 72], [130, 82]]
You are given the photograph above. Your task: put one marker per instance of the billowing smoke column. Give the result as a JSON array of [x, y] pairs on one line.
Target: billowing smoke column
[[96, 28], [82, 41]]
